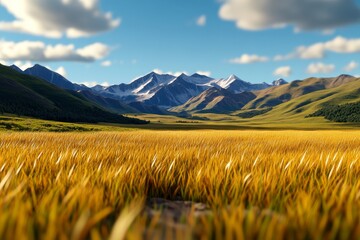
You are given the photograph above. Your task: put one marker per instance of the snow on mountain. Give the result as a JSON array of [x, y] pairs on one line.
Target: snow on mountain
[[166, 91], [236, 85], [98, 88], [139, 89], [177, 91]]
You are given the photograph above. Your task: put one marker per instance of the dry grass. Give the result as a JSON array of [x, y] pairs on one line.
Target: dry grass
[[258, 184]]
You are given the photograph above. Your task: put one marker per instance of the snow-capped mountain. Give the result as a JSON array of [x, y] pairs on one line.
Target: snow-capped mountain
[[236, 85], [178, 91], [157, 90], [168, 91], [139, 89]]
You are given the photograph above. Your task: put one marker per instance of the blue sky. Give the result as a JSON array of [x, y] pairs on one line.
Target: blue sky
[[220, 38]]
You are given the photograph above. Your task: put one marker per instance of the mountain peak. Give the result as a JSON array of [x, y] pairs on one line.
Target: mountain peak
[[52, 77], [197, 75], [16, 68], [233, 77], [183, 75], [345, 76], [39, 66]]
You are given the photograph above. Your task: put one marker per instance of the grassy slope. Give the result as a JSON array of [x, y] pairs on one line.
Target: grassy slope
[[277, 95], [295, 111], [215, 101], [26, 95], [26, 124]]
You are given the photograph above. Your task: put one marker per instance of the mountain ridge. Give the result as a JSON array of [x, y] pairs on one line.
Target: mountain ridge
[[166, 94], [25, 95]]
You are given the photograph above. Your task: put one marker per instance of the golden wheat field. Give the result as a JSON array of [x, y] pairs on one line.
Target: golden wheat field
[[180, 185]]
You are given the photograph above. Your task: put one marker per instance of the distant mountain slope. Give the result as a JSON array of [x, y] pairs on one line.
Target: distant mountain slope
[[30, 96], [349, 112], [52, 77], [296, 110], [110, 104], [216, 100], [280, 94]]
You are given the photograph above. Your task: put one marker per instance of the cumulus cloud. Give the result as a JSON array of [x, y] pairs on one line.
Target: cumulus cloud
[[106, 63], [205, 73], [23, 65], [247, 59], [303, 15], [201, 21], [351, 66], [38, 51], [56, 18], [284, 71], [176, 74], [318, 50], [320, 67], [61, 70]]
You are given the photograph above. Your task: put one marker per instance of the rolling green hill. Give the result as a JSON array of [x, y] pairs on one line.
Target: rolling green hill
[[29, 96], [296, 110], [278, 95]]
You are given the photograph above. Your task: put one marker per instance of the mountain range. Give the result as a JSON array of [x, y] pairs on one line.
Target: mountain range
[[153, 92], [184, 95], [25, 95]]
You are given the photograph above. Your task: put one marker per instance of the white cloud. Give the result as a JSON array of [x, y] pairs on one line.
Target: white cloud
[[176, 74], [201, 21], [351, 66], [56, 18], [106, 63], [93, 84], [343, 45], [40, 52], [320, 67], [5, 63], [284, 71], [318, 50], [61, 70], [247, 58], [303, 15], [23, 65], [205, 73]]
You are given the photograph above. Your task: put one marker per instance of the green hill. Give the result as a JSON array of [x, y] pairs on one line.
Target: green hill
[[281, 94], [296, 110], [30, 96]]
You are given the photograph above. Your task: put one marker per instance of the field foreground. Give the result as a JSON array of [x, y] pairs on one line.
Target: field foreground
[[180, 184]]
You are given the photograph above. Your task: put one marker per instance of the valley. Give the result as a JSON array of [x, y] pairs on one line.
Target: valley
[[229, 101]]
